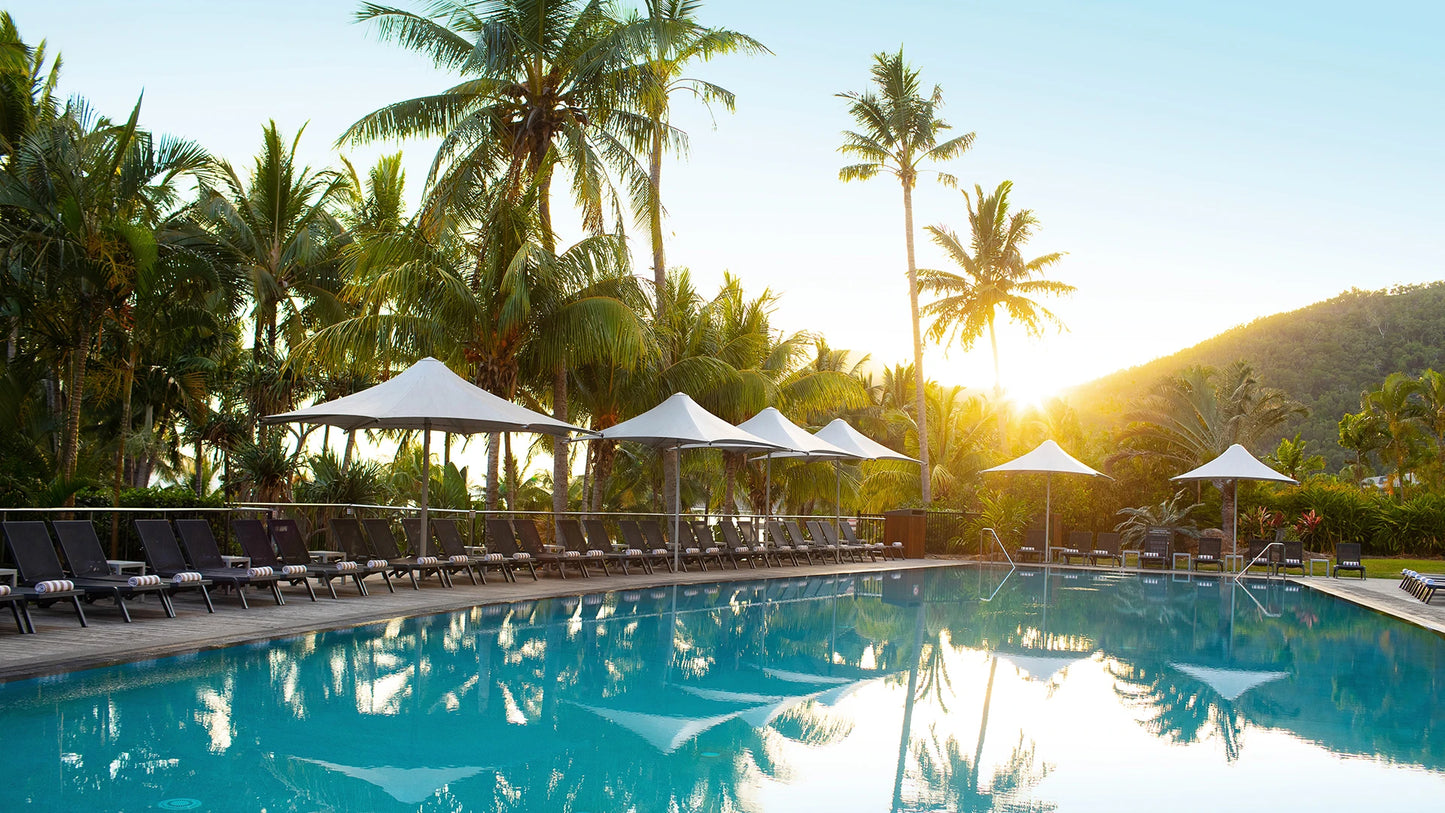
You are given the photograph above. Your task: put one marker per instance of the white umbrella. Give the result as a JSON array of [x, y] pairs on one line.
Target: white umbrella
[[859, 446], [1043, 665], [1235, 464], [774, 426], [430, 397], [679, 423], [1048, 458], [1229, 683]]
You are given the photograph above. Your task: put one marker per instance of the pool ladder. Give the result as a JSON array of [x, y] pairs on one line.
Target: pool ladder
[[991, 532], [1255, 561]]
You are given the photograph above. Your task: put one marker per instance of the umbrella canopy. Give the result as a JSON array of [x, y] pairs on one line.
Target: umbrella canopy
[[1048, 458], [1042, 666], [1229, 683], [774, 426], [1235, 464], [427, 396], [845, 437], [678, 423]]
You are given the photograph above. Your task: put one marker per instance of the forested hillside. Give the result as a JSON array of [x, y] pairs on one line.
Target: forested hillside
[[1324, 355]]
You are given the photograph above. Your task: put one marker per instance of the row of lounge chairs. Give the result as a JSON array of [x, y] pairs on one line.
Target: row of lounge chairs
[[1157, 550], [1421, 585], [184, 556]]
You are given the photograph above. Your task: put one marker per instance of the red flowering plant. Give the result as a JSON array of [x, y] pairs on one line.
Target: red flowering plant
[[1308, 526]]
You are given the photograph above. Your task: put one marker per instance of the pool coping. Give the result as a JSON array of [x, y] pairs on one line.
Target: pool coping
[[60, 649], [1382, 596]]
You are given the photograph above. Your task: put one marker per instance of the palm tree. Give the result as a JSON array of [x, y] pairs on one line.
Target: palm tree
[[1401, 417], [899, 135], [1360, 433], [995, 276], [1431, 389], [669, 39]]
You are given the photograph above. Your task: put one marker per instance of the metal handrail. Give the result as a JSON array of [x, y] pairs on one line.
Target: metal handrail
[[994, 534], [1255, 560]]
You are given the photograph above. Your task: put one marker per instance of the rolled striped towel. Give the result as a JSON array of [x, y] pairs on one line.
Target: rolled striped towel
[[459, 560], [521, 555], [691, 550], [632, 552], [660, 551], [346, 565], [710, 550], [143, 581], [4, 589], [259, 572], [595, 553], [186, 577], [294, 570], [743, 549], [571, 554], [378, 564], [426, 560], [55, 586], [497, 557]]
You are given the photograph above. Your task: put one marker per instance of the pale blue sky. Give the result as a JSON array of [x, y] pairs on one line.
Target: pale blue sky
[[1203, 164]]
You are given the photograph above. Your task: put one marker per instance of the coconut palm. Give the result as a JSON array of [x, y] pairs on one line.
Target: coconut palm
[[27, 86], [669, 39], [898, 134], [1402, 418], [995, 277], [1362, 434]]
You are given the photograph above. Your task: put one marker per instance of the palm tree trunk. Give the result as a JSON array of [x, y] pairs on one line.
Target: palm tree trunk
[[998, 390], [654, 178], [350, 447], [731, 465], [926, 474], [70, 447], [602, 471], [560, 468], [127, 385], [200, 467], [512, 478], [1227, 493], [494, 458]]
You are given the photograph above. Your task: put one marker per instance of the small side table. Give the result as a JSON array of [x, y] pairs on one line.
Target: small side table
[[1325, 562], [326, 557], [237, 561], [1124, 558], [1233, 562], [121, 567], [8, 575], [1186, 556]]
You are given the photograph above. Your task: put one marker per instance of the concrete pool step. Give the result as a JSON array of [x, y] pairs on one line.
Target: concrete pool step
[[63, 646]]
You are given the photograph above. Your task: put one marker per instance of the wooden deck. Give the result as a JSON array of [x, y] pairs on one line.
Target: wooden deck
[[63, 646]]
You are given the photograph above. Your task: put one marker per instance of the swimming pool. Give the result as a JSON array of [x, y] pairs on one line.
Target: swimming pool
[[950, 689]]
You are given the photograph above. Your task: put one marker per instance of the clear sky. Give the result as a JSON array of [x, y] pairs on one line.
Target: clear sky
[[1202, 164]]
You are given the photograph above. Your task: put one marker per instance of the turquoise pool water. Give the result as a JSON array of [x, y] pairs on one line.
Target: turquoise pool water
[[963, 689]]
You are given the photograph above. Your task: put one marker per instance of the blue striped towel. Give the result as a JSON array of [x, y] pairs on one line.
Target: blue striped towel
[[294, 570], [4, 590], [345, 565], [259, 572], [55, 586], [378, 564], [426, 560], [143, 581], [186, 576]]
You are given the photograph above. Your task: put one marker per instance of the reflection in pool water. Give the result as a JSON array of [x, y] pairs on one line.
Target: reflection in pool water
[[953, 689]]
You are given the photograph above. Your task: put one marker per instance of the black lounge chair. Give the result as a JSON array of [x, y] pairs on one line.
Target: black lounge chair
[[824, 542], [739, 550], [502, 542], [87, 559], [599, 539], [873, 549], [1292, 557], [633, 537], [531, 541], [800, 542], [856, 552], [453, 555], [205, 555], [1032, 547], [1209, 553], [1347, 558], [449, 536], [1106, 546], [782, 544], [702, 543], [18, 600], [293, 550], [685, 551], [382, 544], [256, 544], [35, 558], [1266, 551], [576, 547], [1156, 549], [1077, 545], [163, 553], [357, 548]]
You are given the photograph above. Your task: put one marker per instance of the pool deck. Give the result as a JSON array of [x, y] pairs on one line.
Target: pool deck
[[63, 646], [1384, 596]]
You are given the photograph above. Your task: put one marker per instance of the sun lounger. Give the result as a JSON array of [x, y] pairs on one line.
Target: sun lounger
[[18, 600], [1264, 550], [205, 556], [1292, 557], [739, 550], [502, 541], [873, 549], [357, 548], [1077, 545], [383, 546], [293, 550], [800, 542], [1155, 552], [453, 555], [1347, 558], [34, 553], [854, 551], [1209, 554], [1106, 546], [87, 559], [449, 536], [256, 544], [687, 549], [633, 537], [531, 541], [823, 542], [782, 544], [163, 553], [1422, 585], [1032, 548], [576, 549], [599, 539]]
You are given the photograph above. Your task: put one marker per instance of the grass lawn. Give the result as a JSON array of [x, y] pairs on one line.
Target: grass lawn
[[1390, 568]]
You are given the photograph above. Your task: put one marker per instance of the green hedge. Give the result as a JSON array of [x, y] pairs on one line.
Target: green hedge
[[1383, 525]]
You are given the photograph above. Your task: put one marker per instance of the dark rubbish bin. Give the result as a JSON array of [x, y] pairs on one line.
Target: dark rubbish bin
[[906, 525]]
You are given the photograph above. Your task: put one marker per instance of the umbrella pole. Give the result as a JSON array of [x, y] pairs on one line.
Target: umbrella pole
[[425, 482], [1234, 519], [677, 512], [1048, 510], [837, 497], [768, 489]]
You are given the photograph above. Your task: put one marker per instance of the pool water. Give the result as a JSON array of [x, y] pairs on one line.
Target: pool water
[[957, 689]]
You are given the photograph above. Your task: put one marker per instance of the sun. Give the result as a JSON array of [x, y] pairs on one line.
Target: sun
[[1030, 393]]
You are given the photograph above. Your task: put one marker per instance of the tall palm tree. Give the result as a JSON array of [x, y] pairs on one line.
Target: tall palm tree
[[995, 276], [1401, 417], [898, 134], [669, 39], [1360, 433]]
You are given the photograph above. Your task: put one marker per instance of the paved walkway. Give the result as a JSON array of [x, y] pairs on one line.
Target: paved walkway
[[63, 646]]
